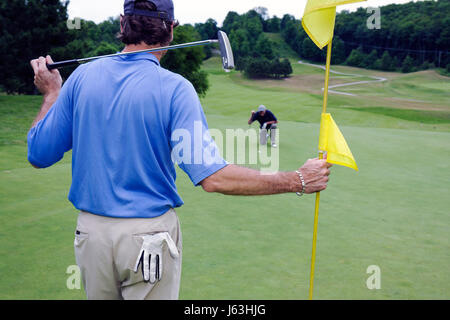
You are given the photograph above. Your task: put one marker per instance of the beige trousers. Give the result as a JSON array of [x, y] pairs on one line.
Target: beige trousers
[[106, 250], [263, 135]]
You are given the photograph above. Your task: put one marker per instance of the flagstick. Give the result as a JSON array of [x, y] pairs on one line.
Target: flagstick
[[316, 215], [327, 78]]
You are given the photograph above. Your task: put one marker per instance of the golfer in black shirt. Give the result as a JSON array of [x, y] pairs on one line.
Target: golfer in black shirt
[[267, 121]]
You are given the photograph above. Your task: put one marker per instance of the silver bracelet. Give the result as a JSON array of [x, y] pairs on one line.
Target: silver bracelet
[[303, 184]]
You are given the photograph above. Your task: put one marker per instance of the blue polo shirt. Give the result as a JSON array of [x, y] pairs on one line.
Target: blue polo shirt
[[127, 121]]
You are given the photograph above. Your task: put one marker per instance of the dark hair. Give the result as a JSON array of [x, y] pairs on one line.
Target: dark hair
[[152, 31]]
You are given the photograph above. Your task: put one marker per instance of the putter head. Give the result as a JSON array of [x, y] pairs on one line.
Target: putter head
[[225, 51]]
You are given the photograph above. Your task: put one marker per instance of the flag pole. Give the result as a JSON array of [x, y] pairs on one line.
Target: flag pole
[[316, 213]]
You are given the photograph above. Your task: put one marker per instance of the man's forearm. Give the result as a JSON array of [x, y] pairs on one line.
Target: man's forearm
[[235, 180], [48, 102], [250, 121]]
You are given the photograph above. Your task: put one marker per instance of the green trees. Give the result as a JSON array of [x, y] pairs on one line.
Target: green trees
[[34, 28], [293, 33], [92, 39], [408, 64], [29, 29], [370, 60], [273, 25], [338, 51], [285, 68], [310, 51], [356, 58], [241, 44], [188, 61], [207, 30], [255, 54], [264, 47], [420, 30], [264, 68], [386, 62]]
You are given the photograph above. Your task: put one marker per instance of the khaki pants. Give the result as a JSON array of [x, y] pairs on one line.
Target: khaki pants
[[106, 250], [263, 135]]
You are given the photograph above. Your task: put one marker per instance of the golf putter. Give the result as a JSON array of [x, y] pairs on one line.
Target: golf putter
[[225, 51]]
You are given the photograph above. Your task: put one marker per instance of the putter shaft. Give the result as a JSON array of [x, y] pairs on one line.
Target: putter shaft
[[173, 47]]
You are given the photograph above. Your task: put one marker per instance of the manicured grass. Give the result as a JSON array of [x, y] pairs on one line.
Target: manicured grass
[[433, 117], [392, 213], [15, 115]]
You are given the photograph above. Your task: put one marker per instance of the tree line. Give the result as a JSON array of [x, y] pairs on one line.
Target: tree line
[[255, 54], [413, 36], [33, 28]]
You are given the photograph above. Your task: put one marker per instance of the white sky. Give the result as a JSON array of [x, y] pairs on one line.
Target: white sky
[[193, 11]]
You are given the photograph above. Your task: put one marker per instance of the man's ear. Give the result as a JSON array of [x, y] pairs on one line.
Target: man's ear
[[171, 32], [121, 19]]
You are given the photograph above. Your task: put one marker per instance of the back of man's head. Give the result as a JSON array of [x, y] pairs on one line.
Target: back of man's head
[[144, 21]]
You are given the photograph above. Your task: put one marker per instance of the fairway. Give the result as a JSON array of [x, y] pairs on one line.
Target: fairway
[[393, 213]]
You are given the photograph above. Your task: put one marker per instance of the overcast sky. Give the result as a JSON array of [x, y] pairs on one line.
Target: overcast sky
[[192, 11]]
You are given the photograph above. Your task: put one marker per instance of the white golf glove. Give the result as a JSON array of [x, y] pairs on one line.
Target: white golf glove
[[264, 126], [150, 256]]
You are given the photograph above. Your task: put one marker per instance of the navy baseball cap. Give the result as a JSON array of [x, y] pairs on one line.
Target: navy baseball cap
[[164, 9]]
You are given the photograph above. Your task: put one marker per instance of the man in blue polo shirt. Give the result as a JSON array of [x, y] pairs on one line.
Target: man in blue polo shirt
[[124, 118]]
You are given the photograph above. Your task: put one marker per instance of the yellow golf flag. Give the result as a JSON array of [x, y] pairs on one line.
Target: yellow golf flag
[[332, 141], [318, 20]]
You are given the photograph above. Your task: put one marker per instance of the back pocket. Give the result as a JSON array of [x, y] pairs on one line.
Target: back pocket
[[80, 238]]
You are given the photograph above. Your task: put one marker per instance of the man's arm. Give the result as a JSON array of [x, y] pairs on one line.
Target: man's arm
[[236, 180], [49, 100], [275, 120], [50, 135], [48, 83], [250, 121]]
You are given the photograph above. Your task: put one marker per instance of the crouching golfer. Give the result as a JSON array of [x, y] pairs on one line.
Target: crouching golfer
[[122, 118], [267, 121]]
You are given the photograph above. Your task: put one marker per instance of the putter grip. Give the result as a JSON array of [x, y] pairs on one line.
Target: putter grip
[[62, 64]]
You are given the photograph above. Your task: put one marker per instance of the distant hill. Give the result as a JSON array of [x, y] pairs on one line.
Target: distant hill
[[281, 47]]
